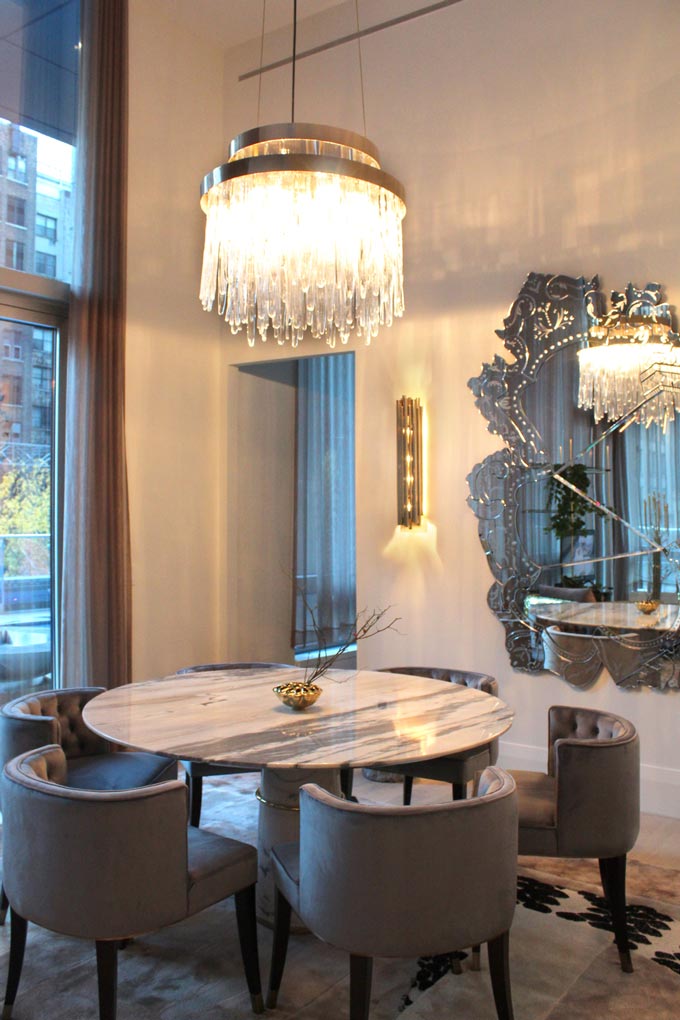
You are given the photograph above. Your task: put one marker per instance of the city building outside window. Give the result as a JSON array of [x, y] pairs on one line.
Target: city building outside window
[[42, 340], [45, 264], [17, 167], [46, 226], [16, 211], [15, 255], [15, 390]]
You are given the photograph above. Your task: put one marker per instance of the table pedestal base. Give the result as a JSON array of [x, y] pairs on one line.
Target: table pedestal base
[[279, 822]]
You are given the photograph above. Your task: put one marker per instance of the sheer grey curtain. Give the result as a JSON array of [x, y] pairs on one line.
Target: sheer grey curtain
[[95, 605], [325, 547], [565, 432], [647, 466]]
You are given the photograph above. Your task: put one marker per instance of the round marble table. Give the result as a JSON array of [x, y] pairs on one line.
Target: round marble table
[[233, 718]]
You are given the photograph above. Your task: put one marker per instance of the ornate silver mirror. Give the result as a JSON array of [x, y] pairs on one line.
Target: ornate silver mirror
[[579, 512]]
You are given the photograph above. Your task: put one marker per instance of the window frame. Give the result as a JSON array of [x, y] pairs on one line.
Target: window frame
[[21, 203], [44, 301], [13, 174], [51, 260], [17, 248], [42, 230]]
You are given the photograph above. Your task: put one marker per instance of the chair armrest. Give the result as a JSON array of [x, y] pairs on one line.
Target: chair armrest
[[598, 795]]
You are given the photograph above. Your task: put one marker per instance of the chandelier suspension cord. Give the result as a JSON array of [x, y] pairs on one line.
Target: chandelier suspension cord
[[361, 64], [259, 79], [292, 97]]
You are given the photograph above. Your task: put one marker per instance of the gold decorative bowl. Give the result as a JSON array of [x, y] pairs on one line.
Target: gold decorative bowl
[[647, 606], [297, 695]]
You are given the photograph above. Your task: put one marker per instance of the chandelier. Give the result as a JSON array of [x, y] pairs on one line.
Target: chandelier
[[631, 366], [303, 232]]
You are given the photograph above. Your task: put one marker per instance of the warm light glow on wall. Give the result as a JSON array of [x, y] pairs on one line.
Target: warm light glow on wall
[[409, 461]]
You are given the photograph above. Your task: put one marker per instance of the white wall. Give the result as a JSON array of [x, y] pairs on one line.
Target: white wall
[[174, 411], [532, 135], [259, 515]]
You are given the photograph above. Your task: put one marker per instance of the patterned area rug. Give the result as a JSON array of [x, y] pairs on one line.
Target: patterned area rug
[[564, 954], [563, 961]]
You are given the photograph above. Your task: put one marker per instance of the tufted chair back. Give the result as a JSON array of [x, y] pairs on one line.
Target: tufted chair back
[[51, 717], [480, 681], [582, 724]]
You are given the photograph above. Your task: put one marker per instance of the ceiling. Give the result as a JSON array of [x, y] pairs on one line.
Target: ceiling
[[237, 21]]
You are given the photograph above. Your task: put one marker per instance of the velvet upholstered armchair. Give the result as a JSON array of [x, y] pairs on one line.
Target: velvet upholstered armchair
[[56, 717], [346, 880], [587, 803], [108, 865]]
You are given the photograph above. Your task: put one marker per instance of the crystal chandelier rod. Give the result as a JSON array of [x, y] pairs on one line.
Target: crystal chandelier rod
[[292, 76], [361, 63], [259, 78]]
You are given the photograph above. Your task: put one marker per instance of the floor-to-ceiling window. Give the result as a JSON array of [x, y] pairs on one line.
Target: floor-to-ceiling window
[[39, 60]]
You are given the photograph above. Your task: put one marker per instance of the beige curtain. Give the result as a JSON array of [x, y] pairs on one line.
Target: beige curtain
[[95, 607]]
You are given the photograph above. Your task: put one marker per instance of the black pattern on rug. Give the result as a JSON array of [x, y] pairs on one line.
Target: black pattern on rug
[[646, 927]]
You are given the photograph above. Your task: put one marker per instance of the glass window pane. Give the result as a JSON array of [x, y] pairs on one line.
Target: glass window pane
[[39, 62], [26, 440]]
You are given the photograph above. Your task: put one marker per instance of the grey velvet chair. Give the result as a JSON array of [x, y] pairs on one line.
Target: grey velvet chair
[[401, 882], [56, 717], [587, 804], [458, 769], [109, 865], [196, 771]]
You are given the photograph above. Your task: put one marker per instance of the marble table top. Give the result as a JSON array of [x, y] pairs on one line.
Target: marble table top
[[614, 616], [361, 718]]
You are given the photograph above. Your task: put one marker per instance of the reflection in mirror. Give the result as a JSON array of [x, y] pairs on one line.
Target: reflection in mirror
[[578, 518]]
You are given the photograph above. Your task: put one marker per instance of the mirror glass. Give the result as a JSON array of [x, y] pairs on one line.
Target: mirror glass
[[579, 518]]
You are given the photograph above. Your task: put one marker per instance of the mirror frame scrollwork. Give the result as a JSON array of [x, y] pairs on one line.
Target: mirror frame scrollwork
[[551, 312]]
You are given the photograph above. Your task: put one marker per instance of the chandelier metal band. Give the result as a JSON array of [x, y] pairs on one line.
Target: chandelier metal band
[[303, 232], [304, 163], [301, 130]]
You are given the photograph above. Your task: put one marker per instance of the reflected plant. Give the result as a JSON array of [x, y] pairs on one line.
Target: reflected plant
[[567, 508]]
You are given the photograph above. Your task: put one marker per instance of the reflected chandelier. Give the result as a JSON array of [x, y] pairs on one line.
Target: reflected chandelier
[[631, 366], [303, 232]]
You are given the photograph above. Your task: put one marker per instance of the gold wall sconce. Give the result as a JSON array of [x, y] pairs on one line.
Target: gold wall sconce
[[409, 461]]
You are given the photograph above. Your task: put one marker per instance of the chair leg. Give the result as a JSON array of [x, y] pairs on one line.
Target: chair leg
[[19, 926], [247, 935], [408, 789], [476, 963], [347, 781], [499, 967], [360, 974], [107, 978], [4, 905], [195, 784], [282, 914], [459, 791], [613, 875]]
